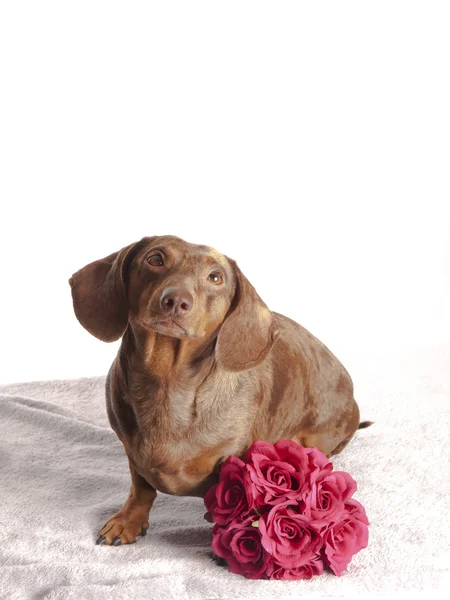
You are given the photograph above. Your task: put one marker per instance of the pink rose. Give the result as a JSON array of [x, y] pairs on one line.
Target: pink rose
[[289, 537], [318, 463], [329, 492], [306, 571], [278, 473], [240, 545], [283, 513], [227, 500], [346, 537]]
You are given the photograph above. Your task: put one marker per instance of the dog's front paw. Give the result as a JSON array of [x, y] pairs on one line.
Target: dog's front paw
[[123, 528]]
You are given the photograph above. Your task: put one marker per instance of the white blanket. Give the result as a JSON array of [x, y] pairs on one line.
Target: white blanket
[[63, 473]]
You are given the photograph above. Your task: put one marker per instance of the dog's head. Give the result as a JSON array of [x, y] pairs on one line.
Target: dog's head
[[176, 289]]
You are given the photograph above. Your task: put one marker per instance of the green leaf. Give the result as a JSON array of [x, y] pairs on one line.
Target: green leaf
[[255, 523]]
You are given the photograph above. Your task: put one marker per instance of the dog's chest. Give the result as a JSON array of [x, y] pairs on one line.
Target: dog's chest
[[180, 437], [179, 468]]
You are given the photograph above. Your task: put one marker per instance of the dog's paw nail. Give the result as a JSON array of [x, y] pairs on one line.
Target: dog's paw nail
[[100, 540], [116, 541], [144, 531]]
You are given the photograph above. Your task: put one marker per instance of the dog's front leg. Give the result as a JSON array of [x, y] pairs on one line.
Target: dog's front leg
[[132, 520]]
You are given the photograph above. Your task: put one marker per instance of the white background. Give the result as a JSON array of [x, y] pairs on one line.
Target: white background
[[309, 141]]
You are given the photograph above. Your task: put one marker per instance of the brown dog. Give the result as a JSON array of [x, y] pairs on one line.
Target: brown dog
[[204, 370]]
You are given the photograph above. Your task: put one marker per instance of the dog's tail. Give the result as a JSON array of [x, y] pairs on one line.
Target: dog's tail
[[365, 424]]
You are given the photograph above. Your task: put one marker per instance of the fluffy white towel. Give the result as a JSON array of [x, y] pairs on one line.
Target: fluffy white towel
[[63, 473]]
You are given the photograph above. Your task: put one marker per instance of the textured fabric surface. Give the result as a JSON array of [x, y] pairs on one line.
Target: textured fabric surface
[[63, 473]]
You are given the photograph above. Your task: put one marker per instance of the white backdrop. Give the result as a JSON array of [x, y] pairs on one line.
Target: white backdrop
[[309, 141]]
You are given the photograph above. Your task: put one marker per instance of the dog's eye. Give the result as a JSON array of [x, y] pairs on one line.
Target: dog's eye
[[215, 277], [155, 260]]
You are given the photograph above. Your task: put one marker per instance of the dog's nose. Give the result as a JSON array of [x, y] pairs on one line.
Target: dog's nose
[[176, 301]]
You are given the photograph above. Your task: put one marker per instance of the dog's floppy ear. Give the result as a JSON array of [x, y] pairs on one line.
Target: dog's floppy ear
[[248, 333], [99, 295]]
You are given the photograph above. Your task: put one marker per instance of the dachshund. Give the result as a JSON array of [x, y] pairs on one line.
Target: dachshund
[[204, 369]]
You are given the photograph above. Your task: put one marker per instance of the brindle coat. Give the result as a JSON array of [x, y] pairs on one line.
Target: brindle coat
[[204, 370]]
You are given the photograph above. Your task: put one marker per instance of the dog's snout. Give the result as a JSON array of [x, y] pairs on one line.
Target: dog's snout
[[176, 300]]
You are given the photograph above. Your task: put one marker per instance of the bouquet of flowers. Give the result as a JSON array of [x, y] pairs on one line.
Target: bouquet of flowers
[[283, 513]]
